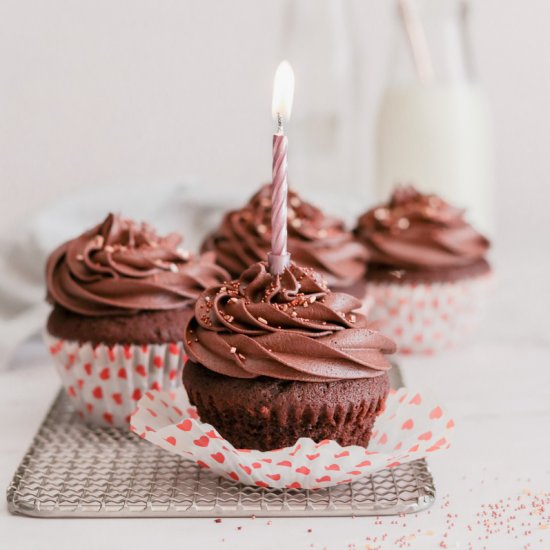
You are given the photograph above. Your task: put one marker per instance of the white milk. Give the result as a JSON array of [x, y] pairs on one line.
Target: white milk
[[438, 138]]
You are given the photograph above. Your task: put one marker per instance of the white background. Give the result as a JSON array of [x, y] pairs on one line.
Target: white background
[[110, 93], [119, 92]]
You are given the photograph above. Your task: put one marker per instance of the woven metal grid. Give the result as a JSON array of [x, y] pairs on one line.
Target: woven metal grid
[[73, 470]]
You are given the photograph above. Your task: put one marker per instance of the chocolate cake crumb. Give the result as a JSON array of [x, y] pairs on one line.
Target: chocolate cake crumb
[[225, 402]]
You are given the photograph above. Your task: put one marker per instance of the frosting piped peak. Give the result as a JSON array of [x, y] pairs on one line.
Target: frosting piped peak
[[121, 267], [314, 239], [288, 326], [419, 231]]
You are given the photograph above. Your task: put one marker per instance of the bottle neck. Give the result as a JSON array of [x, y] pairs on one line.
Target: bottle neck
[[431, 44]]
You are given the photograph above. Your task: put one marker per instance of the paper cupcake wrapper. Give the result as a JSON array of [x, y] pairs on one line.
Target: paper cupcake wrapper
[[412, 426], [105, 383], [429, 317]]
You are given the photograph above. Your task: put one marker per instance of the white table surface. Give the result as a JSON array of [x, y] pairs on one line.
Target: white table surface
[[491, 484]]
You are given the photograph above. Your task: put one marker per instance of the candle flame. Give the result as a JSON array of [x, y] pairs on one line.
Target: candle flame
[[283, 91]]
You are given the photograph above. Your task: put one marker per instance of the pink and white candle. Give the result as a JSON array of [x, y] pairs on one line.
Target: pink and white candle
[[283, 92]]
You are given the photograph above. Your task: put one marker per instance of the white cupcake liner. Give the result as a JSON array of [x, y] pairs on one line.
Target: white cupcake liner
[[412, 426], [105, 383], [426, 318]]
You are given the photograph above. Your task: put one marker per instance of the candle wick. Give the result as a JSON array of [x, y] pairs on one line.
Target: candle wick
[[280, 127]]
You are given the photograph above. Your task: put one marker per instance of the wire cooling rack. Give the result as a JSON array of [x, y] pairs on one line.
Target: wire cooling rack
[[76, 470]]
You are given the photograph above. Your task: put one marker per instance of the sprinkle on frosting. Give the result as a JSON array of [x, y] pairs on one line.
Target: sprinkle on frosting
[[288, 326], [416, 231], [314, 240], [121, 267]]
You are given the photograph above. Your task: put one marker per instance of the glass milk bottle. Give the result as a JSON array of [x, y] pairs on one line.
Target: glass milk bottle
[[434, 126]]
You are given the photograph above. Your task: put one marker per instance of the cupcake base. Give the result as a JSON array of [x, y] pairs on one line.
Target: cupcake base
[[385, 274], [104, 383], [147, 327], [427, 317], [265, 414]]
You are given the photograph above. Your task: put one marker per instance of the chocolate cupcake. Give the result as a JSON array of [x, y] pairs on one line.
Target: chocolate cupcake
[[428, 270], [121, 296], [314, 240], [276, 358]]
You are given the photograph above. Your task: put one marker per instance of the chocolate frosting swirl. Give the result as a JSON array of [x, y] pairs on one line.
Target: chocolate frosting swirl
[[120, 267], [289, 327], [416, 231], [314, 240]]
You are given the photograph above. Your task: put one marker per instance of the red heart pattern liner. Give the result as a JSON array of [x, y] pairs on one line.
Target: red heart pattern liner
[[413, 425], [105, 383], [427, 318]]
